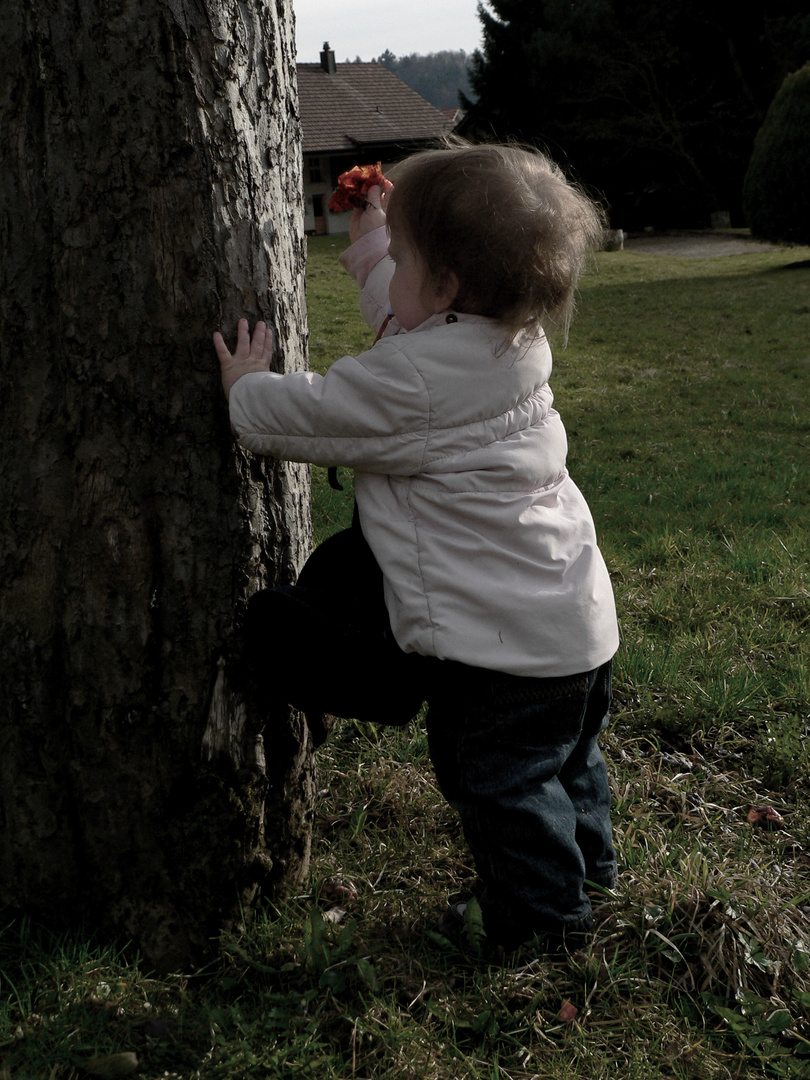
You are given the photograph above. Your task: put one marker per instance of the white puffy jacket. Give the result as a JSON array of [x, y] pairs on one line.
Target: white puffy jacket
[[487, 547]]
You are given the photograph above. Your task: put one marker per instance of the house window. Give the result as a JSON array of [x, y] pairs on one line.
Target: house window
[[315, 176]]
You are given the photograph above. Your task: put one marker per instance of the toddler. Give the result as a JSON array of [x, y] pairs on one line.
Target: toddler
[[498, 609]]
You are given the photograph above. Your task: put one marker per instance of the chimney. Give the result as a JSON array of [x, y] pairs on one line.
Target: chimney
[[328, 59]]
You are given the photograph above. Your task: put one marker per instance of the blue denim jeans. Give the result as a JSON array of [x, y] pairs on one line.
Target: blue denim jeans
[[518, 759]]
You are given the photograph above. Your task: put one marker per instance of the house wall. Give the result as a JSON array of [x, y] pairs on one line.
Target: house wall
[[318, 187]]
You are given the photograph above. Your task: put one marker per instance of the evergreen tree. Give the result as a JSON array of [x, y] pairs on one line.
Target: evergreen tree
[[775, 194], [649, 101]]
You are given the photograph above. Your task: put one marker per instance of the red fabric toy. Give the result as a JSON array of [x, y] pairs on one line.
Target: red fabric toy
[[353, 186]]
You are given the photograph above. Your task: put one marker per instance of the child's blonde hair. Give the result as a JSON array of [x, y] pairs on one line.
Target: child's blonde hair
[[506, 222]]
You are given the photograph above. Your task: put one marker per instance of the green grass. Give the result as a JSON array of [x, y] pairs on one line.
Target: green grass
[[690, 435], [684, 392]]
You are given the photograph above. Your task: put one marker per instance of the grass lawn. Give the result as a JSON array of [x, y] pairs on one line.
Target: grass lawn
[[684, 390]]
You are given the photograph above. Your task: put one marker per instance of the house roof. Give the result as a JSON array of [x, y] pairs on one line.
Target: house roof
[[362, 104]]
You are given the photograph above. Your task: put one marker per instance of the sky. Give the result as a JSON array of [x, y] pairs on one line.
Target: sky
[[366, 28]]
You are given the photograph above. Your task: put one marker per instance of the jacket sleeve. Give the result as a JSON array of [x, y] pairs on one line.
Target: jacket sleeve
[[368, 412], [368, 263]]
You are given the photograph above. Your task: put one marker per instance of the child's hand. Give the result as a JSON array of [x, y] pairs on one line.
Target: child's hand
[[252, 353], [371, 216]]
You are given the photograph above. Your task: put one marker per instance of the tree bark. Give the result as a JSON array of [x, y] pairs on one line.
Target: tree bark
[[150, 192]]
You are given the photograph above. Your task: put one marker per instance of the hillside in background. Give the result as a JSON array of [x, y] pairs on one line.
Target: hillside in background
[[439, 77]]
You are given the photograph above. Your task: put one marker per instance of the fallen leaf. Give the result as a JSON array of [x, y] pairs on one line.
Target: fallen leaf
[[765, 817], [335, 914], [568, 1013], [340, 891]]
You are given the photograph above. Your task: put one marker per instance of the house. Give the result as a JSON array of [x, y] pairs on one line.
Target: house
[[356, 114]]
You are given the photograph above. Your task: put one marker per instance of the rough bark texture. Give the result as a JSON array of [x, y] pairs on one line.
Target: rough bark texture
[[149, 193]]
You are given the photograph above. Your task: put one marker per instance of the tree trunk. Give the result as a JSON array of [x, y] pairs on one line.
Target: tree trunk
[[150, 193]]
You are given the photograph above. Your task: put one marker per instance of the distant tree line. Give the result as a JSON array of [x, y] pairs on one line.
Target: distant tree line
[[655, 104], [440, 77]]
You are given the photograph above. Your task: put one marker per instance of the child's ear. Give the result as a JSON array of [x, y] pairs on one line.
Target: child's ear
[[445, 291]]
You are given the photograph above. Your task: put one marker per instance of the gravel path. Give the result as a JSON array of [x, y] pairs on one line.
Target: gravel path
[[697, 245]]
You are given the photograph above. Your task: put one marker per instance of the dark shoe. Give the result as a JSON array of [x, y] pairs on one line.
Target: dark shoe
[[451, 924], [463, 926]]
